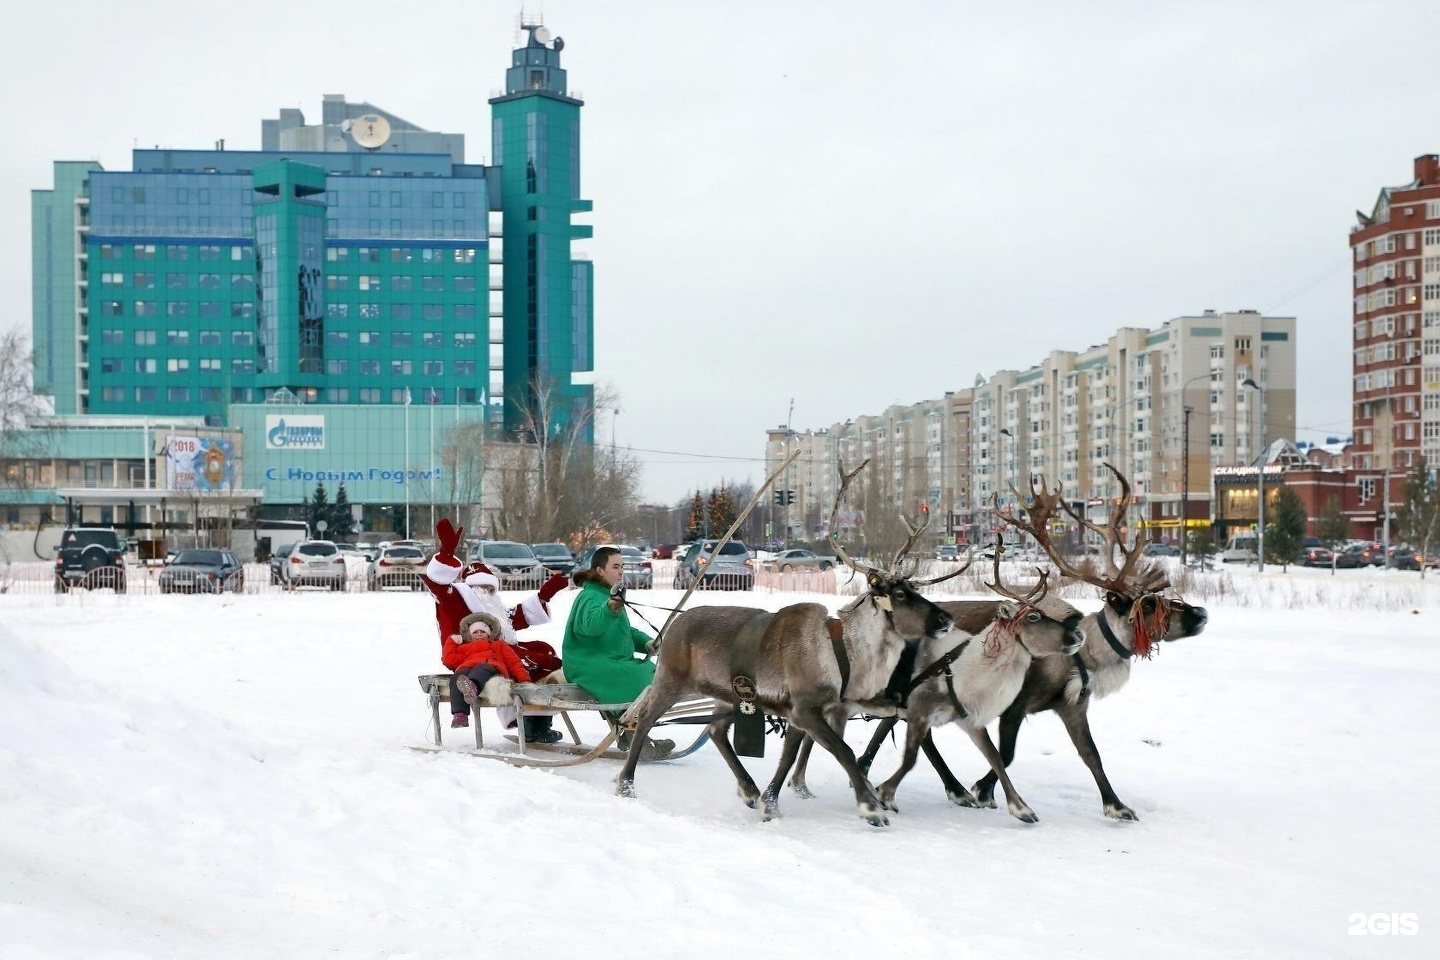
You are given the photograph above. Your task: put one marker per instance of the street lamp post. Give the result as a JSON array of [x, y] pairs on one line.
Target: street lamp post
[[1014, 461], [787, 494], [1264, 449], [1185, 468]]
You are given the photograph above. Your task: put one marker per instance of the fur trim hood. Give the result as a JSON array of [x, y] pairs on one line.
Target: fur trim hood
[[490, 620]]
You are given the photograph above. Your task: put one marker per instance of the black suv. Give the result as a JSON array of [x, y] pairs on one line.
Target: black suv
[[90, 557]]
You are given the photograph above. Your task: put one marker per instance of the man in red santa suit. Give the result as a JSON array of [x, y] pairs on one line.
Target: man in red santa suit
[[460, 590]]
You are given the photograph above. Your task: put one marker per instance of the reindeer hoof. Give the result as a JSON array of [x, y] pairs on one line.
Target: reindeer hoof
[[1023, 813], [771, 811], [964, 799], [749, 799], [802, 791], [1121, 812], [625, 788], [873, 816], [983, 797]]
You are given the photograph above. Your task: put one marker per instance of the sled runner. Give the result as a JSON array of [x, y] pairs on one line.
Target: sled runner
[[561, 699]]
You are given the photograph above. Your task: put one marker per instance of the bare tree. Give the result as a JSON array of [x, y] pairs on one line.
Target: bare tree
[[18, 405]]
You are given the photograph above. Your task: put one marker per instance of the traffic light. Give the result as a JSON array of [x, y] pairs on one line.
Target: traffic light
[[789, 497], [779, 498]]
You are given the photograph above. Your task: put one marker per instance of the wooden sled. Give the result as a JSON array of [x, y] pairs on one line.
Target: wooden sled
[[561, 699]]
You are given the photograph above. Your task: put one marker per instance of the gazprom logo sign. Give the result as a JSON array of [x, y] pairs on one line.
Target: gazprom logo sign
[[294, 432]]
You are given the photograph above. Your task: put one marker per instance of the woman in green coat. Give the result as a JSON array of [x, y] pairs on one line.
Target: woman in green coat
[[600, 646]]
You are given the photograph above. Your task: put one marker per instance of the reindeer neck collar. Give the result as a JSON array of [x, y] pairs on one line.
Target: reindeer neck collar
[[1121, 651]]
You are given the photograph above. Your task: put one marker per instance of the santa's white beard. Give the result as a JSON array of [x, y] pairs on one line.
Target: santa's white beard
[[483, 601]]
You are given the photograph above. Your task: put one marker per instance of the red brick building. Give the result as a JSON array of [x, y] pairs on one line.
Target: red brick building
[[1396, 327]]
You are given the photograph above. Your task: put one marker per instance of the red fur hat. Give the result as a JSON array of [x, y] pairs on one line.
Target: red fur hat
[[476, 574]]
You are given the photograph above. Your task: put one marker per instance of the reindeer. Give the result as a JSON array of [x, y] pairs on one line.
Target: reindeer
[[802, 670], [1136, 616]]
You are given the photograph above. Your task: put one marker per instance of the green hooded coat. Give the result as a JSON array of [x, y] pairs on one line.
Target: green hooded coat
[[600, 646]]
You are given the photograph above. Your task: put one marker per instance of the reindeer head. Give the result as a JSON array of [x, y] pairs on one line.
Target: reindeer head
[[1138, 594], [1042, 624], [907, 613]]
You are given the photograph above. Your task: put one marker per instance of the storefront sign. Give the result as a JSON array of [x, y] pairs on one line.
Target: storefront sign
[[290, 431]]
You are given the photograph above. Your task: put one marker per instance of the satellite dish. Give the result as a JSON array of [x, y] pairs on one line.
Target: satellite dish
[[559, 44], [542, 35]]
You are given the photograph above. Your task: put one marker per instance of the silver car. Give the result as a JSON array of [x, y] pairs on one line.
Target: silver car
[[397, 567], [316, 563]]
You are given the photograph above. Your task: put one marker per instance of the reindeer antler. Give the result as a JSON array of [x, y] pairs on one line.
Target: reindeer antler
[[845, 479], [1037, 592], [1040, 510], [909, 543], [969, 560]]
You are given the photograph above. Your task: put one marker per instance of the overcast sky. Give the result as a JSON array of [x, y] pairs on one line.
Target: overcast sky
[[851, 204]]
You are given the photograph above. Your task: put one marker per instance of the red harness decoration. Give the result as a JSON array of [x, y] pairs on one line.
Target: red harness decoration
[[1147, 629]]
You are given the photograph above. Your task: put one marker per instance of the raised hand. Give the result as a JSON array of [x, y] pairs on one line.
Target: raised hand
[[448, 536]]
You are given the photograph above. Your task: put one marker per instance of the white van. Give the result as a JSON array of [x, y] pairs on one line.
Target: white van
[[1241, 549]]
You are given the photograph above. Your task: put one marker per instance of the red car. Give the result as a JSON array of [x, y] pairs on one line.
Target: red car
[[666, 551]]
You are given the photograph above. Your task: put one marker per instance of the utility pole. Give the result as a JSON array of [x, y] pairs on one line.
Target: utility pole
[[788, 418], [1264, 451]]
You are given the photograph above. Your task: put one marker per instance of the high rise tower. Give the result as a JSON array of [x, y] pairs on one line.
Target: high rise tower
[[549, 303]]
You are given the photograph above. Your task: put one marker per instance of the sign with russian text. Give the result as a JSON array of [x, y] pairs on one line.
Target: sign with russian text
[[292, 431]]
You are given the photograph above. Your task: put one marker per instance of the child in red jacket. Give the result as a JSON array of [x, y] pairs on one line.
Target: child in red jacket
[[478, 654]]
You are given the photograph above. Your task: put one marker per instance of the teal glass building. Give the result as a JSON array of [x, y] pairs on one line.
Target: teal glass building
[[358, 261]]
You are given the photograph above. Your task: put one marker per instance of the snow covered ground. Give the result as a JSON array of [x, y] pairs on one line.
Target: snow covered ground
[[228, 777]]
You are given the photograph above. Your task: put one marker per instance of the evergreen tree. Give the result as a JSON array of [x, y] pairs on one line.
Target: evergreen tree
[[720, 511], [695, 519], [1201, 549], [1285, 533], [318, 510], [342, 522], [1417, 515]]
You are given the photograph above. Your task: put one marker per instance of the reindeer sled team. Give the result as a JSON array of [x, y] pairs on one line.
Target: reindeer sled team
[[891, 653]]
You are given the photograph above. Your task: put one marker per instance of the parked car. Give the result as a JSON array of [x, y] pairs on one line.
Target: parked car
[[947, 551], [202, 571], [787, 560], [1160, 550], [1404, 558], [731, 569], [278, 560], [1316, 557], [556, 557], [1351, 557], [1241, 549], [665, 551], [638, 571], [314, 563], [90, 557], [513, 564], [396, 567]]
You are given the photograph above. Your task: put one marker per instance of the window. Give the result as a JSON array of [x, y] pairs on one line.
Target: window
[[241, 394], [242, 281], [144, 251], [145, 365], [112, 279], [432, 338], [242, 311], [177, 338], [209, 252], [144, 394], [369, 338], [368, 255], [400, 367], [177, 365], [1217, 440], [370, 368], [109, 251], [242, 365], [370, 395], [177, 308], [464, 368], [401, 283], [242, 338], [337, 366], [464, 284], [369, 311], [401, 311], [144, 338], [178, 394], [210, 365], [399, 395], [337, 282], [337, 338], [209, 394], [368, 282], [399, 254], [401, 338], [337, 311], [465, 255], [1242, 344], [110, 365], [464, 311], [146, 308], [432, 311], [464, 340], [433, 368], [208, 281], [112, 308], [337, 254], [112, 336], [338, 395], [432, 283]]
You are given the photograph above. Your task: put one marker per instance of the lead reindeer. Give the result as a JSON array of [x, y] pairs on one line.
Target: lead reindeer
[[801, 669], [1136, 616]]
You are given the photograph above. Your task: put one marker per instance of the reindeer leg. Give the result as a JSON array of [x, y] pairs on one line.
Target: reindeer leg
[[797, 782], [1010, 722], [915, 731], [876, 740], [954, 789], [810, 719], [744, 786], [660, 697], [795, 741], [1077, 723], [1019, 809]]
